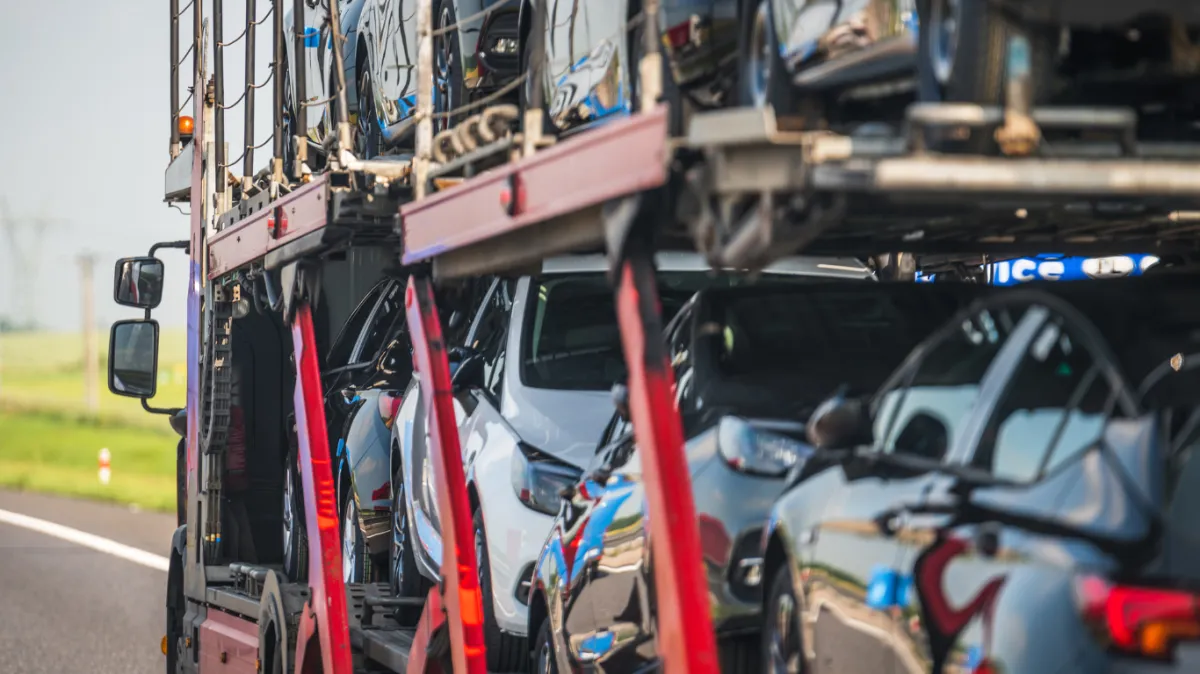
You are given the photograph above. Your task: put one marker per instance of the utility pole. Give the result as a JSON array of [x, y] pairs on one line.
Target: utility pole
[[24, 262], [91, 350]]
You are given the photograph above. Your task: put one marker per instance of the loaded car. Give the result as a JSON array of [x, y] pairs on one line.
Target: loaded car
[[532, 395], [750, 366], [843, 64], [359, 367], [1018, 496], [471, 59]]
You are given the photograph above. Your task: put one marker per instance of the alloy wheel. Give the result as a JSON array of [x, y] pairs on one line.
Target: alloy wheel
[[443, 79], [399, 538], [784, 639], [349, 541], [944, 22], [759, 58], [543, 662], [289, 515]]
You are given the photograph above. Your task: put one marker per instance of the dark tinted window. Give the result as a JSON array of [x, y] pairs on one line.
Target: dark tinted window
[[571, 339], [343, 346], [388, 316], [762, 350], [491, 336]]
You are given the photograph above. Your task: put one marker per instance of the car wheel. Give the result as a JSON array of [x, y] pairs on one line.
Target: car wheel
[[762, 75], [544, 660], [406, 578], [290, 121], [367, 131], [356, 562], [781, 647], [449, 92], [549, 128], [505, 652], [962, 55], [295, 535]]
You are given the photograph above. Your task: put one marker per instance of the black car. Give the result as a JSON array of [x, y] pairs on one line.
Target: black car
[[844, 63], [350, 364], [750, 366], [1019, 496]]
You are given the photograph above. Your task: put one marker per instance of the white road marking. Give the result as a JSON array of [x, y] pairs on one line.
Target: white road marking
[[97, 543]]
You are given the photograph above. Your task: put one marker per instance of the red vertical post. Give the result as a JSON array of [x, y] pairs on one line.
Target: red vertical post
[[685, 636], [326, 614], [460, 592]]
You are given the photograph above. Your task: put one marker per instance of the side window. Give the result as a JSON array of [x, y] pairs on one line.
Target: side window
[[343, 347], [935, 395], [1054, 407], [387, 317], [680, 345], [491, 337]]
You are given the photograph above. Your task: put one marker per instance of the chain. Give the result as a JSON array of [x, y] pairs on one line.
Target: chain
[[216, 390]]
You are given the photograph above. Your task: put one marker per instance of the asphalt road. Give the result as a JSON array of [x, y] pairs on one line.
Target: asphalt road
[[66, 608]]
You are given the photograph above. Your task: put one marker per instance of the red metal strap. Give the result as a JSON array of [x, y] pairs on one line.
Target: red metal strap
[[685, 634], [328, 601], [464, 605], [432, 617]]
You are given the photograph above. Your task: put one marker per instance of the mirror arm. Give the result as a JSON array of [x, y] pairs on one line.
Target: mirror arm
[[184, 244], [160, 410]]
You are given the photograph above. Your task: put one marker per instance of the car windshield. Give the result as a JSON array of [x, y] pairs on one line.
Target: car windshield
[[791, 348], [571, 340]]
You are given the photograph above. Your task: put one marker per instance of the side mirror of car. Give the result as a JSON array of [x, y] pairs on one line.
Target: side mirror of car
[[396, 358], [133, 358], [469, 373], [138, 282], [620, 397], [840, 423]]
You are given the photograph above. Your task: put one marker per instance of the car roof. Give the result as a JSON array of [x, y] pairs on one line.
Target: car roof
[[800, 265]]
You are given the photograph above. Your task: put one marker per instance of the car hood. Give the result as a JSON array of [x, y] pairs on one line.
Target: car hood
[[564, 424]]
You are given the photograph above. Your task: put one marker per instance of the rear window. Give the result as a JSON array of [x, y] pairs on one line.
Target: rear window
[[571, 340]]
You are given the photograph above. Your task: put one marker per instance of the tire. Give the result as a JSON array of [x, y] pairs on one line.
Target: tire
[[782, 650], [505, 652], [404, 576], [295, 533], [969, 66], [289, 123], [544, 661], [740, 655], [762, 75], [356, 561], [367, 133], [449, 91], [526, 91]]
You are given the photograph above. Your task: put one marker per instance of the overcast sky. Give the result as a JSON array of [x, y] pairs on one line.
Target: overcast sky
[[85, 125]]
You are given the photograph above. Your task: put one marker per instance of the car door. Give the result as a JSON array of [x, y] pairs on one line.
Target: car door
[[1052, 406], [393, 56], [921, 416], [607, 621], [423, 486], [587, 49]]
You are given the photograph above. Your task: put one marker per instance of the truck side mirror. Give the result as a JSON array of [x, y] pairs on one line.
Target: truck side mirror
[[138, 282], [133, 358]]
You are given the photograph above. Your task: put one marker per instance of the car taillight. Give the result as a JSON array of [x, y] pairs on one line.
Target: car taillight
[[389, 404], [1137, 620]]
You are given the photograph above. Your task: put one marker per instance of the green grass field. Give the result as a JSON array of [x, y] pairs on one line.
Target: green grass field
[[49, 440]]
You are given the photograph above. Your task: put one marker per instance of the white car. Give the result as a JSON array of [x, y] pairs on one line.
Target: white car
[[532, 396]]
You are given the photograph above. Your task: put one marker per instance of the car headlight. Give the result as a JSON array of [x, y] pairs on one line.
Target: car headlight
[[539, 480], [757, 450]]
